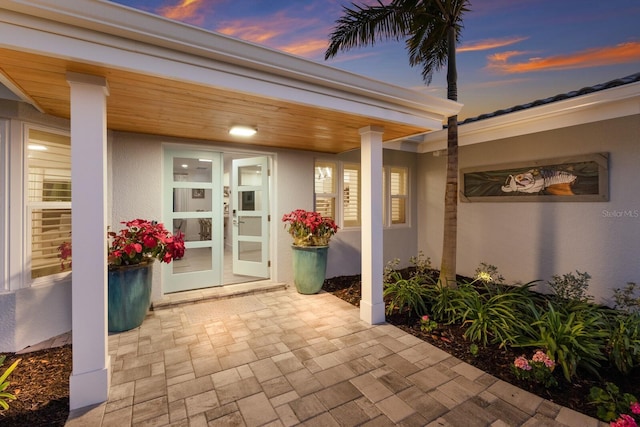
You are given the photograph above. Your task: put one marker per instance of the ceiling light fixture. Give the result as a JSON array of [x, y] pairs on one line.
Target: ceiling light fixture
[[242, 131]]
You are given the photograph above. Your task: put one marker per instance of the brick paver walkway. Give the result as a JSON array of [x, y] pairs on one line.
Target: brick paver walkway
[[285, 359]]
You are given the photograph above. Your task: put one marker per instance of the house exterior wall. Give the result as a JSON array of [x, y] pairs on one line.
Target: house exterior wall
[[534, 240], [28, 315], [136, 192]]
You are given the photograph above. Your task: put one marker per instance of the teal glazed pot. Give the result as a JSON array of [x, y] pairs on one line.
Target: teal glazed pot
[[309, 268], [129, 296]]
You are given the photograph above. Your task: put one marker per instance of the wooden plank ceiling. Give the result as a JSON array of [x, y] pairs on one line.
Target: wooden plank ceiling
[[151, 105]]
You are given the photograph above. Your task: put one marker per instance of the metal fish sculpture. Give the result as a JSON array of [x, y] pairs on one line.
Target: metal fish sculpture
[[535, 180]]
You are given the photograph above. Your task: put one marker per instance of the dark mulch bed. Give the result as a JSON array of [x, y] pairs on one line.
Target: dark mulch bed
[[41, 384], [41, 380], [494, 360]]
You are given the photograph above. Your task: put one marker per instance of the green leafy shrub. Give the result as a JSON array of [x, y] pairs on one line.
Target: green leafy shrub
[[573, 337], [421, 264], [625, 299], [445, 302], [570, 288], [623, 346], [611, 403], [405, 295], [5, 395], [493, 313]]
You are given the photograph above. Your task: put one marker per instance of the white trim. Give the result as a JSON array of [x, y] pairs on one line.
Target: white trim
[[4, 217], [8, 83], [372, 307], [89, 382], [597, 106]]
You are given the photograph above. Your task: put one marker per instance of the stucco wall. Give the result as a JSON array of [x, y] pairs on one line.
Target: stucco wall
[[137, 192], [533, 241], [28, 315]]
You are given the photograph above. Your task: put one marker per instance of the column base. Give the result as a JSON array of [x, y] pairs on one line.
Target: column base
[[89, 388], [373, 314]]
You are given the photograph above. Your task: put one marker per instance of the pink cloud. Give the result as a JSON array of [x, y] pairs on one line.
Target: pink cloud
[[619, 54], [191, 11], [489, 44]]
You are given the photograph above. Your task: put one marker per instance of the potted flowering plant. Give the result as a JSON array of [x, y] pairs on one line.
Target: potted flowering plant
[[142, 241], [131, 253], [309, 228], [311, 233]]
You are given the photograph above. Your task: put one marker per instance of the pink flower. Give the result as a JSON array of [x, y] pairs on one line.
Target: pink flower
[[624, 421], [425, 318], [635, 408], [539, 356], [522, 363]]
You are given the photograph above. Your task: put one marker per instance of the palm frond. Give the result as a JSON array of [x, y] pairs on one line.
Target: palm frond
[[424, 23], [364, 26]]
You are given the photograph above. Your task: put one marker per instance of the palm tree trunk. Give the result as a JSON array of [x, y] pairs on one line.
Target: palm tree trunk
[[449, 243]]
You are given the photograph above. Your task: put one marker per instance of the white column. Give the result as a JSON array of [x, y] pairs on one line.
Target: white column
[[89, 381], [371, 304]]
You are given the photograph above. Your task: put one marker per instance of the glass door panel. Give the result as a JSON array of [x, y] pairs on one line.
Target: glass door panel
[[250, 214], [193, 205]]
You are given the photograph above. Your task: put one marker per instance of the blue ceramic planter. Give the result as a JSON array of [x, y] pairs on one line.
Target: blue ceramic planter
[[309, 268], [129, 296]]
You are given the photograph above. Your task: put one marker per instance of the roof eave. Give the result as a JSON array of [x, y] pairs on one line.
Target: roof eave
[[602, 105], [132, 24]]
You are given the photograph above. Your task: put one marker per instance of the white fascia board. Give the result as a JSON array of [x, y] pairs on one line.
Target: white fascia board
[[597, 106], [178, 39]]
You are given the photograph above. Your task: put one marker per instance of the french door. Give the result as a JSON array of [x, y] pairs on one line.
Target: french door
[[250, 216], [193, 206]]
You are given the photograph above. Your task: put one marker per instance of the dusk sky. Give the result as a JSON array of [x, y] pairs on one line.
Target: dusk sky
[[512, 51]]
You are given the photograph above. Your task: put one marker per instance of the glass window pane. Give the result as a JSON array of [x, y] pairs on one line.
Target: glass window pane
[[250, 175], [192, 199], [49, 229], [195, 259], [249, 226], [194, 229], [250, 251], [326, 206], [48, 163], [351, 196], [398, 215], [325, 188], [398, 181], [191, 170], [250, 200]]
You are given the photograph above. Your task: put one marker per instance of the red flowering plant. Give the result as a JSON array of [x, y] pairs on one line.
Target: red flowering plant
[[141, 241], [309, 228]]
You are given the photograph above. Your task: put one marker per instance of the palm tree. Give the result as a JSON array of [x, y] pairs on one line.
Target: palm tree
[[432, 29]]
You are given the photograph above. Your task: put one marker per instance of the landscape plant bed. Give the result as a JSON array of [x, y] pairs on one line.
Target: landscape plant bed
[[494, 360], [41, 384], [41, 381]]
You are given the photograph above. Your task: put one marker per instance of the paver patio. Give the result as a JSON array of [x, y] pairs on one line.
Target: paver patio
[[282, 359]]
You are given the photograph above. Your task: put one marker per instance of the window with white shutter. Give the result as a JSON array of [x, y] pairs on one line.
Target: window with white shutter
[[351, 195], [48, 163], [325, 189]]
